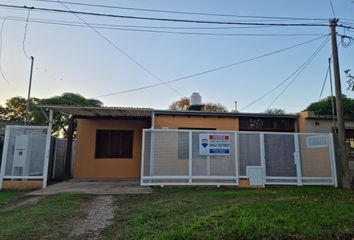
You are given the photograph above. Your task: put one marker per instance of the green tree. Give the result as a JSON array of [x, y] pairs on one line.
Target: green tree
[[324, 106], [15, 108], [66, 99], [275, 111], [184, 103]]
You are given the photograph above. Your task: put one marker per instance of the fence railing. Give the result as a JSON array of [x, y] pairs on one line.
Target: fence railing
[[204, 157]]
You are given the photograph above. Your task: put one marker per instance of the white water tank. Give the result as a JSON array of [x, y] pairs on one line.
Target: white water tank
[[196, 99]]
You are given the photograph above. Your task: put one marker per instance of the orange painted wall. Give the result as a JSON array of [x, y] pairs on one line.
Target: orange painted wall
[[87, 167], [180, 121], [22, 184]]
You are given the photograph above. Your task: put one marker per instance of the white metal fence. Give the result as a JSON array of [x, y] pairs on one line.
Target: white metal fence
[[25, 154], [198, 157]]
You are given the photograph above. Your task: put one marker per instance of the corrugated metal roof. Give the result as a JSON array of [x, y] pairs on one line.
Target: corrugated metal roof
[[146, 112], [102, 111]]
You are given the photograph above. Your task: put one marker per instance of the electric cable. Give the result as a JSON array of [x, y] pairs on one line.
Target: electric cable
[[213, 69], [299, 73], [1, 49], [281, 83], [324, 83], [166, 19], [334, 14], [25, 36], [182, 12], [123, 52], [135, 29]]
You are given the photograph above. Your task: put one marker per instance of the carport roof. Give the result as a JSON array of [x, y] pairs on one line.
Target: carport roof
[[102, 111]]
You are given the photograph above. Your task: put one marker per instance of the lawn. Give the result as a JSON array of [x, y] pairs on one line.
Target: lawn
[[194, 213], [7, 196], [51, 218], [227, 213]]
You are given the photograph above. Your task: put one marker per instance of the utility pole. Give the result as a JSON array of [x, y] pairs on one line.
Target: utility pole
[[29, 93], [343, 176]]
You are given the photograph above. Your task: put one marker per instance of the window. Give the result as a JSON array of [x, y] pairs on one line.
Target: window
[[267, 124], [114, 144], [317, 141]]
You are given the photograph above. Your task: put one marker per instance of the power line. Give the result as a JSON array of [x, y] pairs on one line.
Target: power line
[[298, 74], [25, 35], [136, 29], [50, 21], [183, 12], [324, 83], [334, 14], [213, 69], [1, 40], [280, 84], [167, 19], [122, 51]]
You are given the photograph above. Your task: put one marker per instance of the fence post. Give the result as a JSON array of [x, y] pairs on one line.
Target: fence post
[[142, 158], [47, 149], [236, 158], [333, 160], [4, 155], [152, 153], [262, 153], [190, 156], [297, 158]]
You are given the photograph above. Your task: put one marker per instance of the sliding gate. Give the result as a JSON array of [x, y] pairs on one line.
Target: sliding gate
[[197, 157]]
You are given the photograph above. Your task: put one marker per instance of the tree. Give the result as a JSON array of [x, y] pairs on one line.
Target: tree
[[15, 108], [181, 104], [184, 103], [275, 111], [214, 107], [324, 106], [350, 79], [66, 99]]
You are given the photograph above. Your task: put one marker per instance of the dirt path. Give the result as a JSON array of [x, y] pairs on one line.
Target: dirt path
[[20, 203], [99, 215]]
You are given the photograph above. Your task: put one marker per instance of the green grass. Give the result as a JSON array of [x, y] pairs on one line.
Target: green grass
[[51, 218], [8, 196], [227, 213]]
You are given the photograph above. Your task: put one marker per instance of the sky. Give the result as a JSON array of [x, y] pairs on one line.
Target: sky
[[77, 59]]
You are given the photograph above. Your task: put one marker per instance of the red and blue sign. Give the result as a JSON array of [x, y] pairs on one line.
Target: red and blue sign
[[214, 144]]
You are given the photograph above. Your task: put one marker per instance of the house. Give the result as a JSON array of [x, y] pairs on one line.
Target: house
[[109, 139]]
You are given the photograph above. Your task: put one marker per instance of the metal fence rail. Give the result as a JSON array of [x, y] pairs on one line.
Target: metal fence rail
[[198, 157]]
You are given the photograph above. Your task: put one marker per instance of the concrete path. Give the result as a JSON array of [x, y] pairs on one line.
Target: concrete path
[[96, 188], [21, 202], [99, 216]]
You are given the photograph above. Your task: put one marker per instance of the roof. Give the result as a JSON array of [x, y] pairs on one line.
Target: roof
[[102, 111], [223, 114], [146, 112]]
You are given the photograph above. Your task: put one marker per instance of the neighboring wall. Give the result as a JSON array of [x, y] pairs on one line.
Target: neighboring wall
[[87, 167], [309, 123], [183, 121]]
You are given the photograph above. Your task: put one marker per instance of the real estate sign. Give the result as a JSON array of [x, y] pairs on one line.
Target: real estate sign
[[214, 144]]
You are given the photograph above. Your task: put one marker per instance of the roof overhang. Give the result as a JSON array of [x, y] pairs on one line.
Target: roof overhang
[[102, 112]]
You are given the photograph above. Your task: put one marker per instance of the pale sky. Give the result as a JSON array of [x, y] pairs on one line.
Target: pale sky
[[77, 59]]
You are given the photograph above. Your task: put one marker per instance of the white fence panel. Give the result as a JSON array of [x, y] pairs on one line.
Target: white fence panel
[[178, 157], [24, 154]]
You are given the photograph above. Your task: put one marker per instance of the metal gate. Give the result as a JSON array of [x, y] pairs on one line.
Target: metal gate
[[176, 157]]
